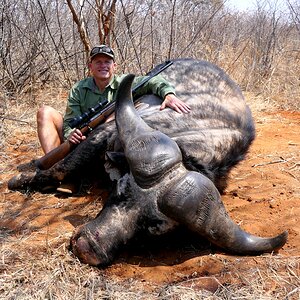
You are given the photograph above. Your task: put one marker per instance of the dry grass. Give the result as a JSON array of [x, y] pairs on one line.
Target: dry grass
[[50, 271]]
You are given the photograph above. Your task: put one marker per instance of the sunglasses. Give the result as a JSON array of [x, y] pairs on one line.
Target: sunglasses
[[102, 49]]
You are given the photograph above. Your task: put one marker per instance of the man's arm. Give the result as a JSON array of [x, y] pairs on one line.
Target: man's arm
[[162, 88], [73, 109]]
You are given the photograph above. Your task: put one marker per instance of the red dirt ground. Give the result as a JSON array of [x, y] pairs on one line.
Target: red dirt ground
[[262, 196]]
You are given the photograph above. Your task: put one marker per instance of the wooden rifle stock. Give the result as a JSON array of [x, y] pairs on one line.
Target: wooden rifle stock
[[60, 152], [55, 155]]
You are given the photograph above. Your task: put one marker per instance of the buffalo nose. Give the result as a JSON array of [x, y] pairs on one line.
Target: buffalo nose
[[83, 250]]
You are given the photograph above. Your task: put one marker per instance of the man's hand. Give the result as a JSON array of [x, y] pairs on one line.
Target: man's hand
[[173, 102], [76, 137]]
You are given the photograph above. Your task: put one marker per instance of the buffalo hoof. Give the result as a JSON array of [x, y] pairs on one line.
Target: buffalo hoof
[[20, 181]]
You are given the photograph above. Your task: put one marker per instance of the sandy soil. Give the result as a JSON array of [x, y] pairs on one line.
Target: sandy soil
[[263, 197]]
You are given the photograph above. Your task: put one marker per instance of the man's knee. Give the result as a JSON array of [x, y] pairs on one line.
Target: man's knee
[[47, 114], [49, 128]]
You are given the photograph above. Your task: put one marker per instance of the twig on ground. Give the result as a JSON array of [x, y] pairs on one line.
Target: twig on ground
[[270, 163], [291, 293], [294, 176], [294, 166], [14, 119]]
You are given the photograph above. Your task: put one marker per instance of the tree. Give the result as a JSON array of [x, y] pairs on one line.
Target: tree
[[105, 14]]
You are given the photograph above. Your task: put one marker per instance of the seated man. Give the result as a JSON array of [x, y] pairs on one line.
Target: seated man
[[53, 128]]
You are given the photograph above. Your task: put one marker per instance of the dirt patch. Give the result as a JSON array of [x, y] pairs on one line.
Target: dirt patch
[[262, 196]]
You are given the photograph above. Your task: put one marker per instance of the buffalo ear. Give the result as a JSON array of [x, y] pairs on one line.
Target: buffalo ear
[[118, 158], [116, 164]]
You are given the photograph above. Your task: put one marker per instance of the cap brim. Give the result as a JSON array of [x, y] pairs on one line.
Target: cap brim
[[107, 54]]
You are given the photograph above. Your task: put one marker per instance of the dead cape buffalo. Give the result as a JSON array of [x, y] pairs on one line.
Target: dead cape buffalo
[[166, 169]]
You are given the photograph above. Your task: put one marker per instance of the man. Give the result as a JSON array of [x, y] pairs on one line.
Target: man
[[53, 128]]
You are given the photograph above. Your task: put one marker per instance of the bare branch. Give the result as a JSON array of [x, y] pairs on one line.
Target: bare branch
[[80, 27]]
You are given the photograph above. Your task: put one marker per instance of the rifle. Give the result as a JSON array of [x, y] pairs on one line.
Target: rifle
[[89, 120]]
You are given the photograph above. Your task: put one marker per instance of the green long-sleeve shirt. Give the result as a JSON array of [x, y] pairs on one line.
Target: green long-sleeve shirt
[[85, 94]]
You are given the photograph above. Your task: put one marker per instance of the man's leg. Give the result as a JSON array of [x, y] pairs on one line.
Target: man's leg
[[50, 133], [49, 127]]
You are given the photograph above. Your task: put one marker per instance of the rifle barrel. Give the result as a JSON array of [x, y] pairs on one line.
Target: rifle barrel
[[103, 106], [96, 115]]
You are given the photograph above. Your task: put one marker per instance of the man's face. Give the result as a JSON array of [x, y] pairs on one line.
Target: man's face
[[102, 67]]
